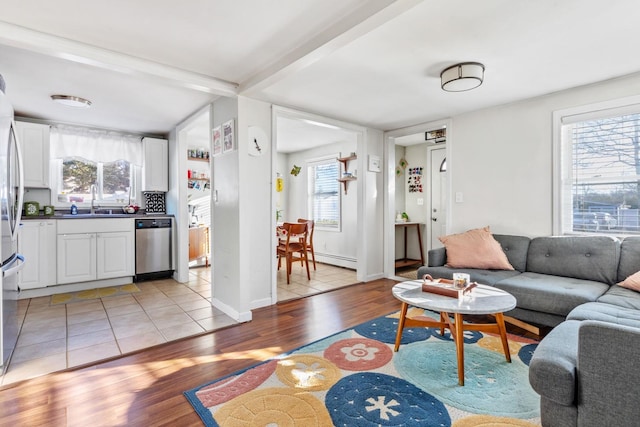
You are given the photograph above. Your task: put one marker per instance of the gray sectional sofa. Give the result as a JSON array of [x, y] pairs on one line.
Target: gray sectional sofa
[[585, 369]]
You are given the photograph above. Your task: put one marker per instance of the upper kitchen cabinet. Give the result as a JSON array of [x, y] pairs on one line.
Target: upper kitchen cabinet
[[34, 141], [156, 164]]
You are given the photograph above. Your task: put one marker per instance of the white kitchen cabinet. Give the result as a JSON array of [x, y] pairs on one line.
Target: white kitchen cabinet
[[76, 258], [37, 242], [156, 164], [114, 255], [95, 249], [35, 145]]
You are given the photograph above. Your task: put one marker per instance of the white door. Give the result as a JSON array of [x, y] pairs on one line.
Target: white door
[[438, 202]]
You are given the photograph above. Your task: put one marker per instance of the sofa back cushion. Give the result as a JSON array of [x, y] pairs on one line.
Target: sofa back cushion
[[516, 248], [582, 257], [629, 257]]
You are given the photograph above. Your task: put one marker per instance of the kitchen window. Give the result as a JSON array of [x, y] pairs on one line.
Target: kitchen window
[[81, 158], [324, 193], [599, 185]]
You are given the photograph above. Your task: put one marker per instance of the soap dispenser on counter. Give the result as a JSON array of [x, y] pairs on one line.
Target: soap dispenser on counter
[[74, 209]]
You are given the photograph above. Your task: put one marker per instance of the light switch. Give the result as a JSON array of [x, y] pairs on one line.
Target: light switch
[[420, 201], [459, 198]]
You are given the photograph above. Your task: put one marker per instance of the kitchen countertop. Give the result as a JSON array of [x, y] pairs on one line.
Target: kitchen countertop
[[117, 213]]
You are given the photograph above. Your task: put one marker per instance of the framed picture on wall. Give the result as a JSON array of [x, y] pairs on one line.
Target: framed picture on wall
[[228, 137], [217, 140]]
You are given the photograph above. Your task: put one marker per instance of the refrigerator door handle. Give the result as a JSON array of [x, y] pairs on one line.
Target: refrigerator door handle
[[19, 265], [18, 208]]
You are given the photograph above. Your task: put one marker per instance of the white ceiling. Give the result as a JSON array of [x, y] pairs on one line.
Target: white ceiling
[[148, 64]]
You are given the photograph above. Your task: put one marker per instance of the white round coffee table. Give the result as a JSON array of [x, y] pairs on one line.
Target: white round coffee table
[[482, 300]]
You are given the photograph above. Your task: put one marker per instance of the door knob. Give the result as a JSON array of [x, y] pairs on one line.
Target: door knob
[[434, 219]]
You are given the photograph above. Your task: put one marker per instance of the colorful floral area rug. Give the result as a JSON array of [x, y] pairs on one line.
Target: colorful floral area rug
[[354, 378]]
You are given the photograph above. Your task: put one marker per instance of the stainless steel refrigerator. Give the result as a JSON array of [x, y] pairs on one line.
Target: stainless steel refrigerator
[[11, 197]]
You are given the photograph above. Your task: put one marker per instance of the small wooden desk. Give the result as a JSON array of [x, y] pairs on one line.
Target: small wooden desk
[[404, 261]]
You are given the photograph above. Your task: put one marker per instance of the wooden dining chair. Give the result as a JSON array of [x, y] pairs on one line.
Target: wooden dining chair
[[309, 242], [293, 248]]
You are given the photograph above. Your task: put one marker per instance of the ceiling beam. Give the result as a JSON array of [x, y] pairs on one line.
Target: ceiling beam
[[59, 47], [345, 31]]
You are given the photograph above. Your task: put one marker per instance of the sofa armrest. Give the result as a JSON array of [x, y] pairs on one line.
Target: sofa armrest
[[608, 374], [437, 257]]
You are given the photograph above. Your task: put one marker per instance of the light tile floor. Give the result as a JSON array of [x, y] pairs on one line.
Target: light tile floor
[[325, 278], [56, 337], [61, 336]]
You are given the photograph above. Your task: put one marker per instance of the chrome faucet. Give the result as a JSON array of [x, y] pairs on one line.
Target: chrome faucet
[[93, 198]]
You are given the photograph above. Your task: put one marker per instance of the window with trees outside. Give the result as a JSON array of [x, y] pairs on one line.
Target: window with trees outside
[[600, 161], [112, 180], [324, 193], [90, 164]]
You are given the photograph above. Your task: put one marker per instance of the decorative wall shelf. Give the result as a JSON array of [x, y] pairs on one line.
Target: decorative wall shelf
[[198, 159], [346, 179]]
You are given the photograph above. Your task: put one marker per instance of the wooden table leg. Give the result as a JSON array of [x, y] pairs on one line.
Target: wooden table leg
[[444, 318], [503, 335], [403, 316], [459, 339]]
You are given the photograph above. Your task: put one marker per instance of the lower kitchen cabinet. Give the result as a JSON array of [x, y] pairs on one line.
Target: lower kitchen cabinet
[[199, 244], [37, 242], [114, 255], [76, 258], [86, 256]]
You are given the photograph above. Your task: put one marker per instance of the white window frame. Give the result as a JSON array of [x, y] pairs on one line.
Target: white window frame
[[562, 179], [311, 163], [56, 176]]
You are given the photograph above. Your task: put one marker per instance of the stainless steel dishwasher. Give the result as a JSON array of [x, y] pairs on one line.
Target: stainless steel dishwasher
[[153, 248]]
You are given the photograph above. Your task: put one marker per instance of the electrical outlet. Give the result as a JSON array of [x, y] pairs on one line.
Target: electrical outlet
[[459, 197], [420, 201]]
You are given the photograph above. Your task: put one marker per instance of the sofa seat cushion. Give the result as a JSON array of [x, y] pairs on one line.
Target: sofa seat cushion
[[623, 297], [606, 313], [551, 294], [552, 371]]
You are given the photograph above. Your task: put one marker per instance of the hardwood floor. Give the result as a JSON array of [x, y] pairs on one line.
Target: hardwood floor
[[145, 389]]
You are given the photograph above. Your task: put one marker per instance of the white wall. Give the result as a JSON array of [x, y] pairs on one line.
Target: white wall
[[501, 160], [225, 236], [256, 216], [371, 247]]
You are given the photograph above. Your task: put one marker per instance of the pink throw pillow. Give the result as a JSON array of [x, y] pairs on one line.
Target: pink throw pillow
[[631, 282], [475, 248]]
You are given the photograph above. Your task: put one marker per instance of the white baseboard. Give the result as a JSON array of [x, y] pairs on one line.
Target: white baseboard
[[231, 312]]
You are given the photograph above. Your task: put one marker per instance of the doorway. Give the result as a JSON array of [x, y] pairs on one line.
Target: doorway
[[305, 146], [417, 213], [192, 156]]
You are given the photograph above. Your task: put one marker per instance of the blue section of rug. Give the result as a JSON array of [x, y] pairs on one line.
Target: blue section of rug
[[354, 378]]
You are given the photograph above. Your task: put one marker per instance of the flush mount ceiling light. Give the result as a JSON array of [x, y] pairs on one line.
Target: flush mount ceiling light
[[461, 77], [71, 101]]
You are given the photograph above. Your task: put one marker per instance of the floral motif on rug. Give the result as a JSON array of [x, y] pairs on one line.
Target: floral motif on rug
[[354, 378]]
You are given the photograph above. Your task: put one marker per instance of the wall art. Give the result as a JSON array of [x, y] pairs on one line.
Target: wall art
[[217, 141], [228, 137]]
